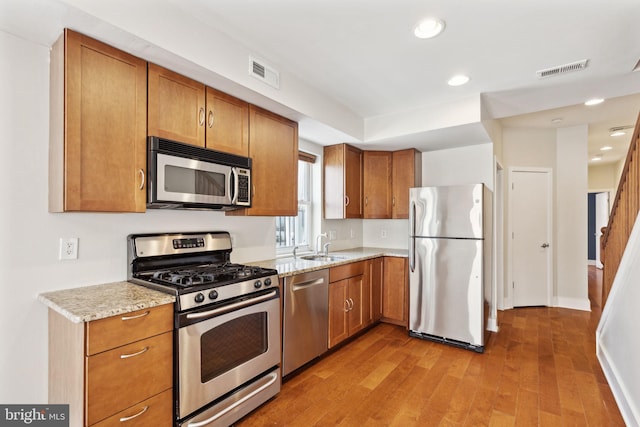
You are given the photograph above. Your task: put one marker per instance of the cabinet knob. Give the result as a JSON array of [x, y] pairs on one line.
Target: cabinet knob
[[210, 120], [201, 116], [346, 200]]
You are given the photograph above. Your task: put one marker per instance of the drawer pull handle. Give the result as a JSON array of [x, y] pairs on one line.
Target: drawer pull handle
[[146, 313], [123, 419], [137, 353]]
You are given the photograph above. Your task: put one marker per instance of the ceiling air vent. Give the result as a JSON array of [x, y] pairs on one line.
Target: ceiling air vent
[[561, 69], [261, 71], [637, 67]]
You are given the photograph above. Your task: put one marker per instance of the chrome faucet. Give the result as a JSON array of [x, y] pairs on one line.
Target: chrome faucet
[[295, 250], [326, 248], [318, 241]]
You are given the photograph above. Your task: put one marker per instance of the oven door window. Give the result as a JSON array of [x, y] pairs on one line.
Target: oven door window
[[231, 344]]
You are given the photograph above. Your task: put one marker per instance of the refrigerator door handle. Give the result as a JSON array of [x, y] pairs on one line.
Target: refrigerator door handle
[[412, 230]]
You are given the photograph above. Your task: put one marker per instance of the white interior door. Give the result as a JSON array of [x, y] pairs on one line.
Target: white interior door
[[602, 219], [530, 220]]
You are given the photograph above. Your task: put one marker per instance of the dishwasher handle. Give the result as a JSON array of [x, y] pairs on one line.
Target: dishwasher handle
[[306, 284]]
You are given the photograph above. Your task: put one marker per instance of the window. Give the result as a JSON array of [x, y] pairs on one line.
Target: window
[[294, 231]]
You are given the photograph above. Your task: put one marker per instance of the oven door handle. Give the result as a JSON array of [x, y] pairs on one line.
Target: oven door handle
[[231, 307], [274, 377]]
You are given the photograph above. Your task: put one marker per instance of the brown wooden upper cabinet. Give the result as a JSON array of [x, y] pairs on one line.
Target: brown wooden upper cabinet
[[343, 175], [407, 173], [184, 110], [98, 127], [273, 149], [377, 184], [385, 179]]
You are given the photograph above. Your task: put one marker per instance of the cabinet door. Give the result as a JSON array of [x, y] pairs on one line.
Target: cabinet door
[[358, 301], [353, 182], [333, 181], [407, 173], [176, 107], [273, 147], [227, 123], [377, 184], [376, 278], [394, 290], [119, 378], [338, 306], [102, 144]]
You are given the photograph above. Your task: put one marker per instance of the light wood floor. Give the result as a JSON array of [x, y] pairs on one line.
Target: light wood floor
[[540, 369]]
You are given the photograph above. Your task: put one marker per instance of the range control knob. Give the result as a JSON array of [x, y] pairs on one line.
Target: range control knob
[[199, 297], [213, 294], [267, 281], [257, 284]]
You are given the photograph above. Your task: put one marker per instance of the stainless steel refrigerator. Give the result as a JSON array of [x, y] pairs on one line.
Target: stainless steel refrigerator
[[450, 231]]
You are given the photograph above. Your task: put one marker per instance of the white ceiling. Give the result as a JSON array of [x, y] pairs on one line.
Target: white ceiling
[[362, 56]]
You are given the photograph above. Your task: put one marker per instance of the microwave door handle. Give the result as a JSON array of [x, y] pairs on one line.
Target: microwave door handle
[[233, 185]]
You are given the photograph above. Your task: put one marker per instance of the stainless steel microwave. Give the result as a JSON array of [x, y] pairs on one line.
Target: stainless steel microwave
[[183, 176]]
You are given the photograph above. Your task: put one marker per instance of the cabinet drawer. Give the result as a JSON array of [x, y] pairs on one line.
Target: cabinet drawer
[[345, 271], [112, 332], [158, 413], [122, 377]]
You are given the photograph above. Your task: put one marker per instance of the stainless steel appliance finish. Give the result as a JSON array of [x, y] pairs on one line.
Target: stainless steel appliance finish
[[183, 176], [227, 317], [222, 348], [305, 318], [450, 264]]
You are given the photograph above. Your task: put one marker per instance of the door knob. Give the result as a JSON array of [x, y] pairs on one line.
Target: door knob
[[545, 245]]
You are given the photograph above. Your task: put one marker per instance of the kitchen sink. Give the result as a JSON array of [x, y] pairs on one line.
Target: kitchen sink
[[321, 257]]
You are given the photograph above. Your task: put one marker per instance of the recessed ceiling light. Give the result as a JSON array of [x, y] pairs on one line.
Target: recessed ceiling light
[[594, 101], [458, 80], [429, 28], [596, 158], [606, 148], [619, 130], [557, 120]]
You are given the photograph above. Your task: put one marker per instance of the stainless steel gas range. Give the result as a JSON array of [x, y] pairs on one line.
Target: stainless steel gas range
[[227, 324]]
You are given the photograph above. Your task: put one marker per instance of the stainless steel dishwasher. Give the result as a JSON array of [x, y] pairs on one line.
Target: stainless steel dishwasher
[[305, 318]]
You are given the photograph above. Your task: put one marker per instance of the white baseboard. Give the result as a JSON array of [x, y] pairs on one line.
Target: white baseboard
[[492, 324], [573, 303], [608, 367]]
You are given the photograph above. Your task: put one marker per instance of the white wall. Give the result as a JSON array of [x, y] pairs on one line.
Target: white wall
[[571, 217], [603, 177], [617, 341], [29, 234], [564, 151], [464, 165], [396, 231]]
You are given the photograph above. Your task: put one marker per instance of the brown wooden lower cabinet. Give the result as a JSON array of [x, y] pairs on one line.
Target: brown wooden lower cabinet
[[375, 278], [349, 300], [154, 412], [395, 291], [110, 370]]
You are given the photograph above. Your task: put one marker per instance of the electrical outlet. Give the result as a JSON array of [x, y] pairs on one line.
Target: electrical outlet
[[383, 233], [332, 234], [352, 234], [68, 248]]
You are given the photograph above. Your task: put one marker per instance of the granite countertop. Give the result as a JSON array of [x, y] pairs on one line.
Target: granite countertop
[[291, 266], [100, 301]]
